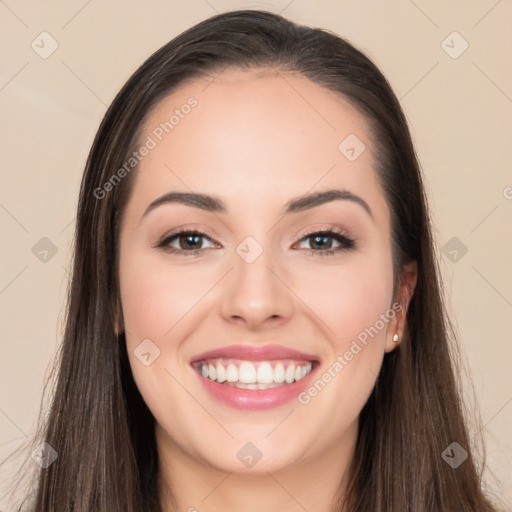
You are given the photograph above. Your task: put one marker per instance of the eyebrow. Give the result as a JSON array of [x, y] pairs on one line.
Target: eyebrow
[[298, 204]]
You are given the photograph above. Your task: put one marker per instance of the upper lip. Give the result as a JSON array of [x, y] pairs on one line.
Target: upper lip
[[254, 353]]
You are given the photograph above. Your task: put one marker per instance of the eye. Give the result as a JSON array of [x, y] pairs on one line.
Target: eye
[[321, 242], [189, 242]]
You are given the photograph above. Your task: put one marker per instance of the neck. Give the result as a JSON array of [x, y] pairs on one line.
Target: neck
[[314, 485]]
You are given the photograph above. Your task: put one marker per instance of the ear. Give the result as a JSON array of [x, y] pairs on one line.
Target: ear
[[401, 302]]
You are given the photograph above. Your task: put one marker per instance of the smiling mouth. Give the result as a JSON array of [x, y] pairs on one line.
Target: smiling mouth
[[243, 374]]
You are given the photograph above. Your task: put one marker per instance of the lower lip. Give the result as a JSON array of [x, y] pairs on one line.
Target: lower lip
[[255, 399]]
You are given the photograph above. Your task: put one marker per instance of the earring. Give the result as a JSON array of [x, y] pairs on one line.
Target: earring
[[396, 338]]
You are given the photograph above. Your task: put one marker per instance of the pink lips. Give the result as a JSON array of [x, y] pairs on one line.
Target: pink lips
[[255, 399], [259, 353]]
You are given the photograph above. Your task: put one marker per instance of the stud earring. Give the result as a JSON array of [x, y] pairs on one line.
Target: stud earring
[[396, 338]]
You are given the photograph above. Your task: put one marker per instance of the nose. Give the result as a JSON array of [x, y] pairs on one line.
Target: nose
[[257, 294]]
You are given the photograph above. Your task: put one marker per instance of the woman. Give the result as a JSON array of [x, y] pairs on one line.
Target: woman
[[213, 358]]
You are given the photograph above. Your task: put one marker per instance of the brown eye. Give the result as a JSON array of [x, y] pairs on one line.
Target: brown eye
[[187, 242]]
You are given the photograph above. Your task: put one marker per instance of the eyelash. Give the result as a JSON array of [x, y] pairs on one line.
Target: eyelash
[[338, 235]]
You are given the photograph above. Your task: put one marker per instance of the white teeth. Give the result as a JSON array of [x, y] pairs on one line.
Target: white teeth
[[221, 373], [232, 373], [279, 373], [265, 374], [247, 373], [260, 375], [290, 374]]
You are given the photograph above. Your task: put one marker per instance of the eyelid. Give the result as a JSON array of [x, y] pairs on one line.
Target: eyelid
[[347, 242], [320, 229], [297, 237], [342, 237], [185, 229]]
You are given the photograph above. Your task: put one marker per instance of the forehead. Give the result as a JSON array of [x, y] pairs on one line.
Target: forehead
[[254, 133], [262, 109]]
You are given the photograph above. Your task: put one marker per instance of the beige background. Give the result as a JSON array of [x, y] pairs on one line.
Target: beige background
[[460, 115]]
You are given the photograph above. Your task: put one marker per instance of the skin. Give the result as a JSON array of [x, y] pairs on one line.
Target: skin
[[256, 140]]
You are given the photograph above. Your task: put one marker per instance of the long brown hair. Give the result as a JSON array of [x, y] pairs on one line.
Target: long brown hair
[[98, 422]]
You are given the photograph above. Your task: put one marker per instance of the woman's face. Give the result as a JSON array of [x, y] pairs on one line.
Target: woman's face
[[256, 299]]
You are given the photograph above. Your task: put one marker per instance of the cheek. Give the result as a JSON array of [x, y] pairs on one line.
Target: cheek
[[352, 298], [146, 308], [355, 310], [353, 304], [154, 296], [158, 301], [154, 299]]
